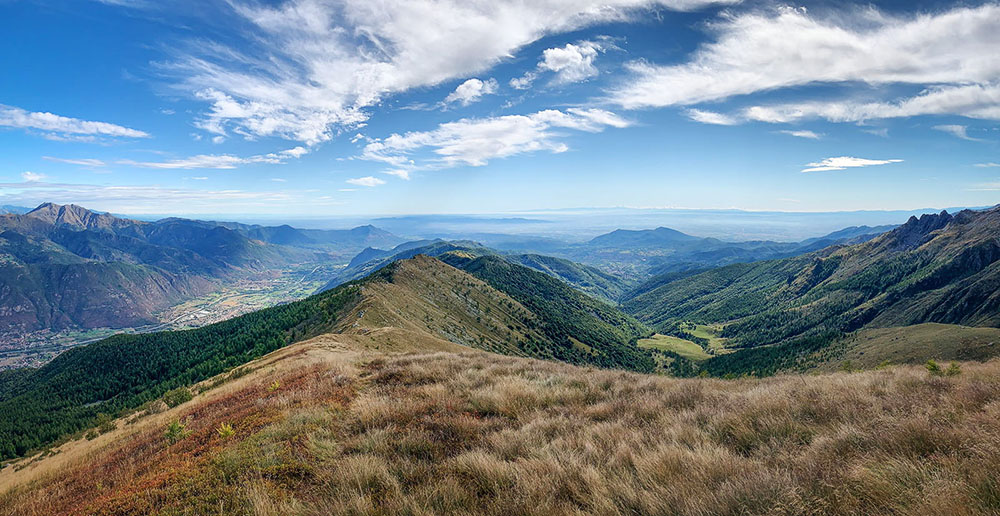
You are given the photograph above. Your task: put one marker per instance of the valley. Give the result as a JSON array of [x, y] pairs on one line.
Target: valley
[[448, 363], [232, 299]]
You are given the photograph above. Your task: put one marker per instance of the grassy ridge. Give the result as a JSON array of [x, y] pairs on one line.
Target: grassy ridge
[[474, 433], [567, 315]]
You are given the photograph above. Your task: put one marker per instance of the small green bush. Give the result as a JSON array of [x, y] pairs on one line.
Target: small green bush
[[953, 369], [175, 431], [177, 396], [225, 430], [933, 368], [104, 423]]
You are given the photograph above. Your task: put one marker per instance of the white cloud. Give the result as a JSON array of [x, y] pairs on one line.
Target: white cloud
[[987, 165], [952, 53], [711, 117], [219, 161], [802, 134], [401, 173], [32, 177], [474, 142], [368, 181], [471, 91], [58, 127], [83, 162], [199, 178], [308, 69], [845, 162], [882, 131], [347, 190], [973, 101], [523, 82], [572, 63], [279, 179], [958, 131]]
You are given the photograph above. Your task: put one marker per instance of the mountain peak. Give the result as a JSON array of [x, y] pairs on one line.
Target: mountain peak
[[914, 232], [76, 216]]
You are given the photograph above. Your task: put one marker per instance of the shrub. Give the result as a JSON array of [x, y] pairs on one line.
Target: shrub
[[225, 430], [274, 386], [175, 431], [953, 369], [177, 396], [91, 435], [104, 423], [933, 368]]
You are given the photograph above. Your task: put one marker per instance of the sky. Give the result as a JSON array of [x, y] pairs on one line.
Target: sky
[[355, 107]]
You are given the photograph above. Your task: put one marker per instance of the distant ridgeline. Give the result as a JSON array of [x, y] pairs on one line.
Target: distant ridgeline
[[938, 268], [68, 267]]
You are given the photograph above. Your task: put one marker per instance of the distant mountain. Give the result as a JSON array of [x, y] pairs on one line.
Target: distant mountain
[[590, 280], [338, 241], [15, 210], [69, 267], [486, 303], [658, 237], [642, 254], [938, 268]]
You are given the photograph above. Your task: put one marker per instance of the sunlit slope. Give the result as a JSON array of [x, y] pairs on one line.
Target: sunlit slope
[[939, 268], [511, 310], [339, 425]]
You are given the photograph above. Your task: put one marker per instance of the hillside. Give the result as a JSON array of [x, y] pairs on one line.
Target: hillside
[[64, 267], [342, 425], [585, 278], [938, 268], [511, 309]]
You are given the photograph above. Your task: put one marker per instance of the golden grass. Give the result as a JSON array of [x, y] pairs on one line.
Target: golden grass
[[475, 433]]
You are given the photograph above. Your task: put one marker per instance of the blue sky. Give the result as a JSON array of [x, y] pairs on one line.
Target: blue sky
[[352, 107]]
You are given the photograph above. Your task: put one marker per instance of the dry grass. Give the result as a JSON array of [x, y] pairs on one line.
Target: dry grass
[[475, 433]]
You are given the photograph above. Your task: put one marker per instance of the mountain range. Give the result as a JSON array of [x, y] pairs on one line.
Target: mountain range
[[939, 268], [908, 295], [69, 267]]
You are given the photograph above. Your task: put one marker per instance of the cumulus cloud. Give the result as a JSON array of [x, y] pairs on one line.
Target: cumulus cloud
[[845, 162], [523, 82], [571, 63], [308, 69], [58, 127], [369, 181], [32, 177], [219, 161], [802, 134], [473, 142], [958, 131], [951, 53], [471, 91]]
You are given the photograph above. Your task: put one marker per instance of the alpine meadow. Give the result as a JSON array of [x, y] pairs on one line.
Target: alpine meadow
[[447, 257]]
